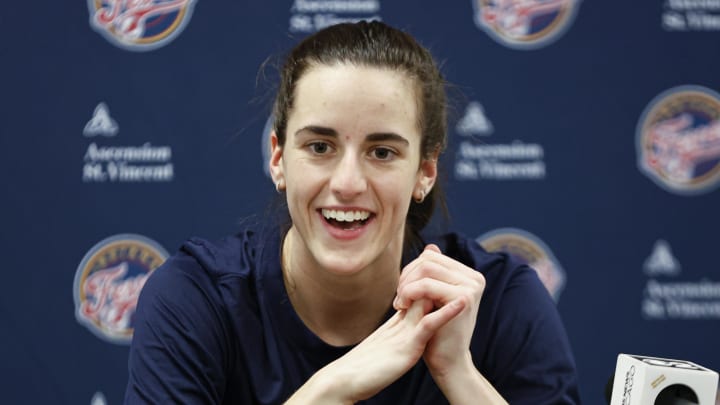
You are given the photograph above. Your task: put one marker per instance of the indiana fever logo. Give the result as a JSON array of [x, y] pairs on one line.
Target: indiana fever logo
[[678, 140], [140, 25], [525, 24], [531, 250], [108, 282]]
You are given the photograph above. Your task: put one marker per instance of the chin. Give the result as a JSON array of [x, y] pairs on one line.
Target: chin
[[341, 265]]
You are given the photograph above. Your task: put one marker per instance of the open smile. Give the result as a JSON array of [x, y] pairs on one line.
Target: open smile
[[347, 220]]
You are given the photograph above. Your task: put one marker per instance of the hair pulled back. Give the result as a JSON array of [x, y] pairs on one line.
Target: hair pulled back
[[375, 44]]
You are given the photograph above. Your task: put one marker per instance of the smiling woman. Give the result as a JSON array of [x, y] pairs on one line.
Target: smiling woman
[[352, 143], [350, 303]]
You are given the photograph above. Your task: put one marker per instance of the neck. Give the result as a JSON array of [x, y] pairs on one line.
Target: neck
[[341, 309]]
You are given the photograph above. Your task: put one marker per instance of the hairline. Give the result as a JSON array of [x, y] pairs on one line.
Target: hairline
[[412, 80]]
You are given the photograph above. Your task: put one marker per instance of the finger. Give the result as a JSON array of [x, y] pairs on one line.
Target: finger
[[446, 269], [433, 264], [394, 320], [433, 321], [410, 267], [439, 292], [433, 247], [415, 265], [417, 310], [435, 271], [430, 270], [418, 260], [431, 254]]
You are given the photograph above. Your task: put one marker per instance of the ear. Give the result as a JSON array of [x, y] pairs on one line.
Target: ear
[[276, 162], [427, 175]]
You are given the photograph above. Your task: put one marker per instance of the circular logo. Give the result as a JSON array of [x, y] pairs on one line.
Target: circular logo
[[678, 140], [108, 282], [140, 25], [530, 250], [525, 24]]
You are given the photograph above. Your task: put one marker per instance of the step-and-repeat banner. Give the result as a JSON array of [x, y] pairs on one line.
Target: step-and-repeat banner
[[584, 138]]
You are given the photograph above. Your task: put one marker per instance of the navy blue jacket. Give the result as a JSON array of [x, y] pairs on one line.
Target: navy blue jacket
[[214, 325]]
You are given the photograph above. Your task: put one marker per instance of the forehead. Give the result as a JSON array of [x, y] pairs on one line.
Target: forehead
[[343, 94]]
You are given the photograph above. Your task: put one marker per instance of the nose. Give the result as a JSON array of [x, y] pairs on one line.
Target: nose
[[348, 178]]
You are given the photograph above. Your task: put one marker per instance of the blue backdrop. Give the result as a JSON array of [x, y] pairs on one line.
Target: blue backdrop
[[585, 137]]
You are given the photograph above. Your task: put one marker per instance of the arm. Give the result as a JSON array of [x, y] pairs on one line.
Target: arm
[[380, 359], [526, 355], [441, 279], [465, 384], [181, 350]]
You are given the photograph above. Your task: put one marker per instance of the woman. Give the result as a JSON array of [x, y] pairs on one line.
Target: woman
[[347, 303]]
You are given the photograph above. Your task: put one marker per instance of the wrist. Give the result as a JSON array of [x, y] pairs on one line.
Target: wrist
[[462, 383], [320, 389], [461, 369]]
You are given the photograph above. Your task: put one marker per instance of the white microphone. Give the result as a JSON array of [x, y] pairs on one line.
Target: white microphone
[[642, 380]]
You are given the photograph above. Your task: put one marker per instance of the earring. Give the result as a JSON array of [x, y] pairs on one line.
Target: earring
[[280, 185], [421, 198]]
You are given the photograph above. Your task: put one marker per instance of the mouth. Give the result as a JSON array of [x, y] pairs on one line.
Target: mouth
[[346, 219]]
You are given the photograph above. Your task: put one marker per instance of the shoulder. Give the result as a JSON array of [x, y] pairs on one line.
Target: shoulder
[[203, 272], [201, 258], [185, 322], [203, 277], [233, 254], [188, 281], [495, 266]]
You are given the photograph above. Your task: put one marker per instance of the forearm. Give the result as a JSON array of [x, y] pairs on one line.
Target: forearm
[[319, 389], [464, 384]]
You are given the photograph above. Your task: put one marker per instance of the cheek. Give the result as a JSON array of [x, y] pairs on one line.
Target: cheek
[[395, 189], [303, 180]]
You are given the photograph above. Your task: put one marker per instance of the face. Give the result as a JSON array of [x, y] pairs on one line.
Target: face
[[350, 166]]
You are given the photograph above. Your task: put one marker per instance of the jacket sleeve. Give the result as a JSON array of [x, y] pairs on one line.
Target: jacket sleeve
[[528, 356], [179, 348]]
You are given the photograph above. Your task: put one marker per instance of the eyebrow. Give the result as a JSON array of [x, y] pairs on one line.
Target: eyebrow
[[373, 137], [318, 130]]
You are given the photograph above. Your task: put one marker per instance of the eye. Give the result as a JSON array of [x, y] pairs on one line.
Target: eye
[[319, 148], [382, 153]]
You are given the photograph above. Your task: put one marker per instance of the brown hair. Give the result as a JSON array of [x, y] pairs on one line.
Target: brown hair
[[375, 44]]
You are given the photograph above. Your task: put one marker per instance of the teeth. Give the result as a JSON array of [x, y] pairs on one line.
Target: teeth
[[345, 216]]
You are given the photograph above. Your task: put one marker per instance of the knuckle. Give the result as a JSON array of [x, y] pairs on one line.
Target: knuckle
[[479, 279], [420, 272], [468, 295], [426, 325]]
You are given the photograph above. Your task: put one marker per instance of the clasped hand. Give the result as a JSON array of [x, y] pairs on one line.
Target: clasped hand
[[442, 280], [437, 303]]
